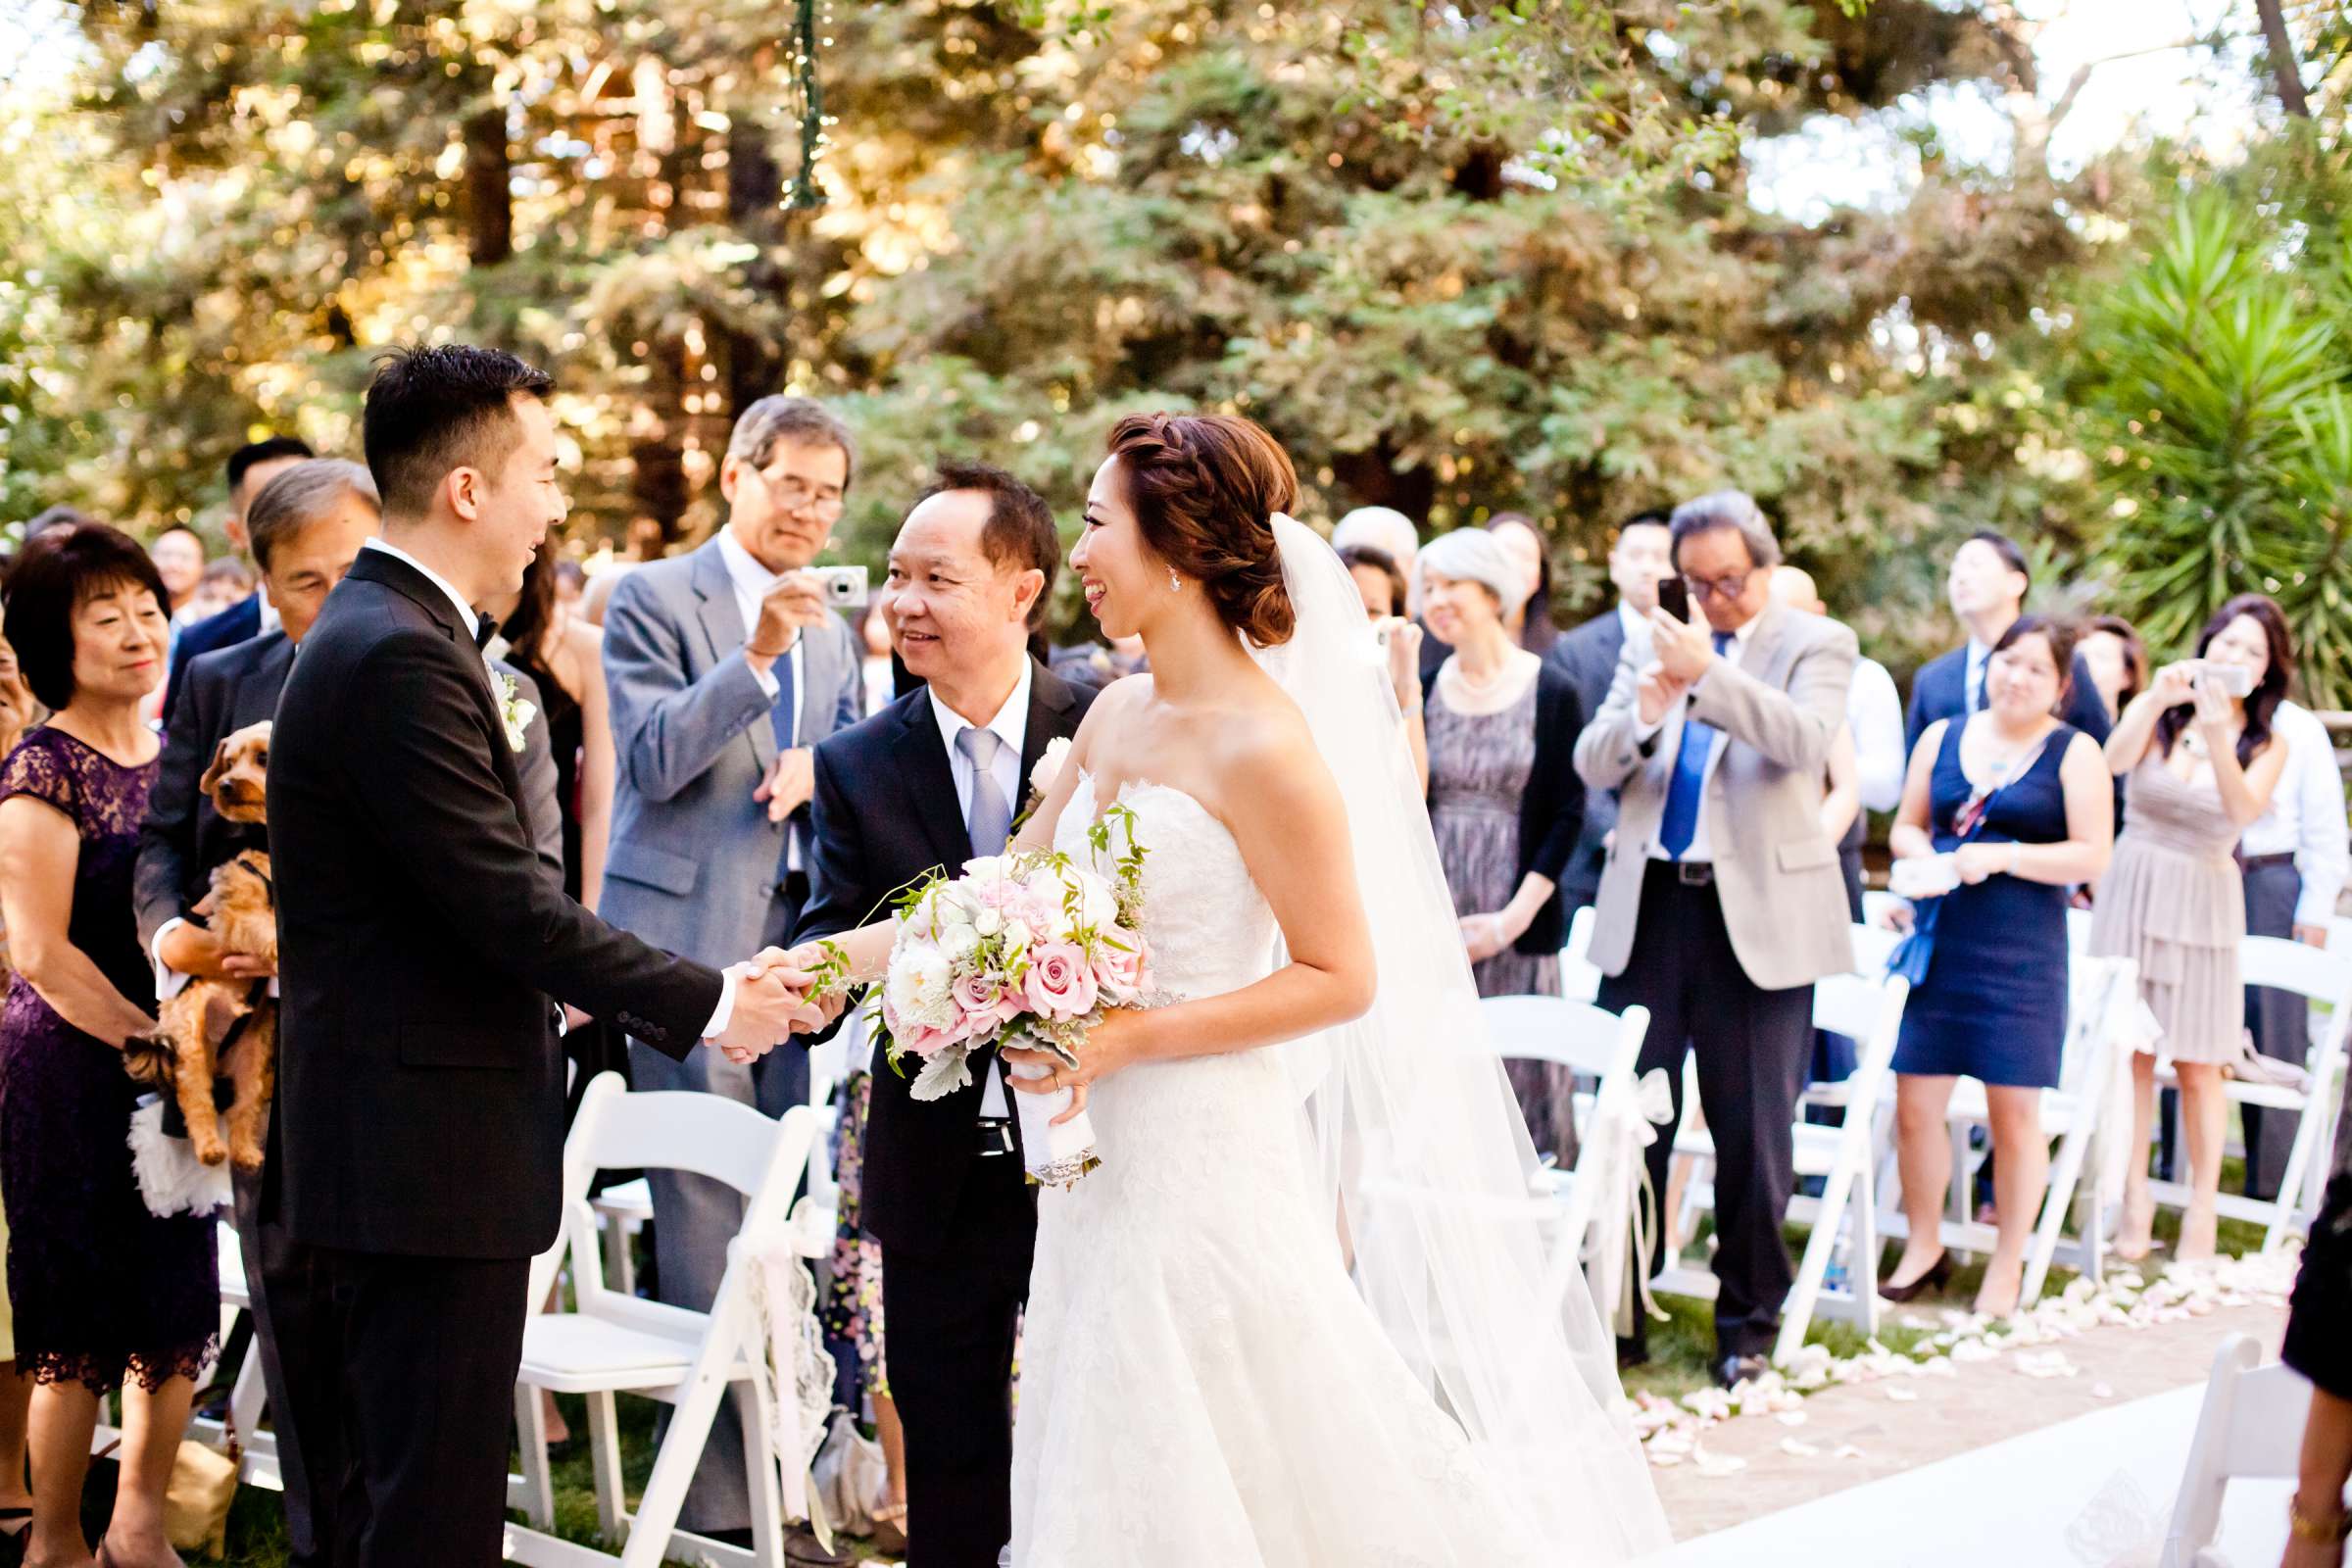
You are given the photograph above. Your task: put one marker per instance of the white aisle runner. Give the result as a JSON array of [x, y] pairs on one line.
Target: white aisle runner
[[2092, 1493]]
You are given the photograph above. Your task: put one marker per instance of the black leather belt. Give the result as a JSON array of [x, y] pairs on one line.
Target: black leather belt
[[996, 1136], [2262, 863]]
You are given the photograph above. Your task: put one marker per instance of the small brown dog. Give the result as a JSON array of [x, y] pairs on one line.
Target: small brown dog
[[225, 1027]]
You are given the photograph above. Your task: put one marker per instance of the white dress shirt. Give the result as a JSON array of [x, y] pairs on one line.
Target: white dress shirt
[[1972, 685], [2306, 819], [466, 617], [1636, 627], [1874, 713], [1011, 726], [1700, 850], [752, 581]]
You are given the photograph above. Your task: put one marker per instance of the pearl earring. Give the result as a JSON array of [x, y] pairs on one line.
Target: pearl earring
[[1175, 583]]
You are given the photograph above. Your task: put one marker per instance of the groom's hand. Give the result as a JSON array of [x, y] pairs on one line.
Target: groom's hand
[[799, 966], [769, 1000]]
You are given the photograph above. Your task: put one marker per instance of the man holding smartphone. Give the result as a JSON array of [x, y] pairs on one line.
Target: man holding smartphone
[[726, 667]]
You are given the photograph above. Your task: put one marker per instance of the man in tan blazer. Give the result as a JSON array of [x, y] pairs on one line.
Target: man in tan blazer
[[1721, 902]]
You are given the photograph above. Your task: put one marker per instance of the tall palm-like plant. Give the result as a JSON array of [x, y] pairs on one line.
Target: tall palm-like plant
[[2220, 403]]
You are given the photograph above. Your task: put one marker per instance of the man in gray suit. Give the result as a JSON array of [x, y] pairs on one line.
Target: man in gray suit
[[727, 667], [1721, 902]]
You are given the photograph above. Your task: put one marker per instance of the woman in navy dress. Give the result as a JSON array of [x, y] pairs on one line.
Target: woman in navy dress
[[105, 1292], [1993, 1005]]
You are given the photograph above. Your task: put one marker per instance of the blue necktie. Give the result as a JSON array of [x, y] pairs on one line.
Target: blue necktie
[[1680, 825]]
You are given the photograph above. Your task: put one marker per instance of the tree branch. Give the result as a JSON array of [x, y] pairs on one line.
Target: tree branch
[[2285, 63]]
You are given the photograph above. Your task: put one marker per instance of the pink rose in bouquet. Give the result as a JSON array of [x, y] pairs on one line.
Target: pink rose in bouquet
[[1061, 981], [1120, 969]]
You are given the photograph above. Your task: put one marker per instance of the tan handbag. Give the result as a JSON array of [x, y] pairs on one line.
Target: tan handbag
[[196, 1501], [197, 1497]]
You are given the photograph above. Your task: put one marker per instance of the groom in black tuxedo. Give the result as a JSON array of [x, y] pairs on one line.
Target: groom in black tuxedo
[[414, 1155], [927, 783]]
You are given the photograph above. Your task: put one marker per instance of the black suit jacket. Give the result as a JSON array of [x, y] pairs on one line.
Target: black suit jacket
[[420, 1086], [884, 815], [1588, 655], [240, 623], [182, 837], [1940, 691]]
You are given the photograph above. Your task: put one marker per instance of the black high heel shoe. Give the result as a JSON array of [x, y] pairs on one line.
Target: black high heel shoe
[[1938, 1275]]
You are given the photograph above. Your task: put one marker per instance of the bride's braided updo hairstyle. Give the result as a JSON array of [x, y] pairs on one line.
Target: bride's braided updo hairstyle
[[1204, 488]]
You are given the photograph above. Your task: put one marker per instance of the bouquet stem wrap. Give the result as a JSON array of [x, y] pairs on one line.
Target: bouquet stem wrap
[[1053, 1156]]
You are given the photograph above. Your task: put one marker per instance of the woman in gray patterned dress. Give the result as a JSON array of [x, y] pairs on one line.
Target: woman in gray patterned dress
[[1504, 797]]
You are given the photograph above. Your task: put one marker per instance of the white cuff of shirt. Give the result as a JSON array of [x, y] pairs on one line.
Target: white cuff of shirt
[[768, 678], [168, 982], [725, 1011], [1643, 734]]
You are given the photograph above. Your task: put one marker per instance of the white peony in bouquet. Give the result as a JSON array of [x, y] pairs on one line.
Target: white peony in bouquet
[[1025, 950]]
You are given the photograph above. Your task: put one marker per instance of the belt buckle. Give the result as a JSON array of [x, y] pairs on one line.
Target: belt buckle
[[1004, 1135], [1694, 873]]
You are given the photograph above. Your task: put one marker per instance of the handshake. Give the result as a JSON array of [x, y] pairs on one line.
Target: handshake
[[778, 995]]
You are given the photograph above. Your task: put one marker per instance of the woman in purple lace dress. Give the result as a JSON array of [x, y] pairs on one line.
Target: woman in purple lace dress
[[104, 1294]]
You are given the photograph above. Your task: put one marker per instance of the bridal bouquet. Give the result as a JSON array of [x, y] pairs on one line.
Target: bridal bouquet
[[1025, 950]]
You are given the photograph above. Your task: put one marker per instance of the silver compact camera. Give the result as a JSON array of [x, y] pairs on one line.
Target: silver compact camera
[[844, 587], [2231, 680]]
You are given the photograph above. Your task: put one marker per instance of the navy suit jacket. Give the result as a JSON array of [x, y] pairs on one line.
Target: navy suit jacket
[[239, 622], [1589, 656], [1940, 691]]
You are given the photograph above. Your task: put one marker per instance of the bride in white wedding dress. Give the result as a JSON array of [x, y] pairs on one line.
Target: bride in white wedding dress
[[1301, 1314]]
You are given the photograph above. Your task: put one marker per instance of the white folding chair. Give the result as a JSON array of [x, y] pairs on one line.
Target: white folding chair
[[2323, 976], [2103, 998], [613, 1344], [1587, 1211], [249, 1395], [1868, 1007], [1580, 981], [624, 1207], [2251, 1427]]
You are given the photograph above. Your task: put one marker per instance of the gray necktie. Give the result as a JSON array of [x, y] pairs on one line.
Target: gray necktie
[[990, 821]]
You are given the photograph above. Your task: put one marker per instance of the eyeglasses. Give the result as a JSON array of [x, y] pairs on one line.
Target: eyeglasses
[[794, 496], [1724, 588]]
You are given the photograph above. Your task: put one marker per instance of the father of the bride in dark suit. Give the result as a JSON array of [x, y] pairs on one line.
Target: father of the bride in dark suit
[[415, 1153], [930, 781]]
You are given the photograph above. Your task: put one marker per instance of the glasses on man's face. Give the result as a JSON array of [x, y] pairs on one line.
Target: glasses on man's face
[[793, 495], [1726, 588]]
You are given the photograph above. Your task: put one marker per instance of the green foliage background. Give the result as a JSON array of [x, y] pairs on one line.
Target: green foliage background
[[1495, 255]]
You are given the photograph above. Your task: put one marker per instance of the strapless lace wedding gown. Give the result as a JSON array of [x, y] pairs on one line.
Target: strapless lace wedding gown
[[1202, 1387]]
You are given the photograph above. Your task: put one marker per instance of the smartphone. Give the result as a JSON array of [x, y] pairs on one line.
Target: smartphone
[[2234, 680], [1674, 597], [844, 587]]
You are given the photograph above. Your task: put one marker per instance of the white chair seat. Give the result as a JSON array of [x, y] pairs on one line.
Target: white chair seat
[[629, 1200], [2058, 1111], [573, 1354]]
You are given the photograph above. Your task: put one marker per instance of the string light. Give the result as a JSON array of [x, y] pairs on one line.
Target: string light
[[804, 99]]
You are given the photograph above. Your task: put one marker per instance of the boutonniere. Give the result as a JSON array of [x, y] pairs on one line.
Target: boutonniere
[[513, 711], [1042, 777]]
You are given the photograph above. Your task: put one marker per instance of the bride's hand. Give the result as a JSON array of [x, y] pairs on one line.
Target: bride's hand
[[1113, 1042]]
